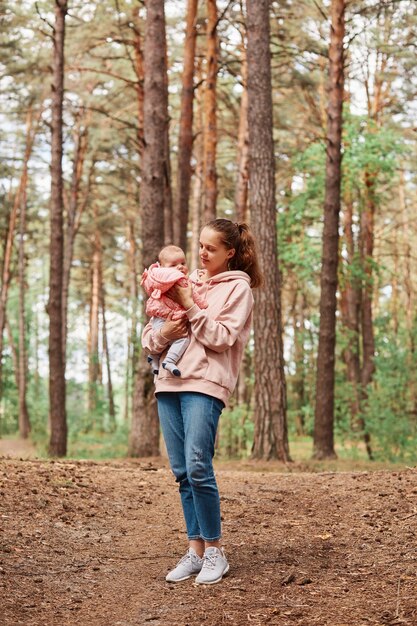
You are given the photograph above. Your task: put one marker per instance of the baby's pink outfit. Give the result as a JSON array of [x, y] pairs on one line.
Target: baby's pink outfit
[[156, 281]]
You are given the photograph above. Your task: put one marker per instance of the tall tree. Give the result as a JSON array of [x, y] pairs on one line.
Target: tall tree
[[241, 192], [185, 139], [210, 115], [75, 210], [24, 421], [94, 322], [57, 389], [18, 206], [197, 191], [324, 409], [106, 355], [271, 436], [144, 435]]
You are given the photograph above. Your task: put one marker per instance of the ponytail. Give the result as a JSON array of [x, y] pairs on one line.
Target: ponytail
[[238, 236]]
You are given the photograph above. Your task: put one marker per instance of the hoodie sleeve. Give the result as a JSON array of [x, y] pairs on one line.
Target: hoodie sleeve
[[220, 333], [152, 340]]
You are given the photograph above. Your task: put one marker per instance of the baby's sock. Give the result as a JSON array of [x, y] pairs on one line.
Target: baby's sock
[[171, 367], [154, 363]]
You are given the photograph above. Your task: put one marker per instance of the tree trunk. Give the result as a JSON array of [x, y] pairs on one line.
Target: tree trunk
[[210, 115], [168, 208], [350, 304], [299, 388], [19, 198], [74, 214], [93, 354], [367, 248], [14, 351], [324, 410], [197, 193], [271, 437], [349, 309], [112, 411], [57, 389], [185, 139], [144, 435], [241, 194], [139, 70], [411, 318], [24, 422], [133, 344], [8, 249]]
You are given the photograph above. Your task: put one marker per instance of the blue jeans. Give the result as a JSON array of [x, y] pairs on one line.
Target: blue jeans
[[189, 423]]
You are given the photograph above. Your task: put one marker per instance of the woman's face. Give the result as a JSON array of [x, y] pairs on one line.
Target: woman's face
[[214, 255]]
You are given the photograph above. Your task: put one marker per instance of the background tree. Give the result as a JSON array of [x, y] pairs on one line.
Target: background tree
[[144, 436], [57, 391], [271, 437], [185, 139], [324, 411], [210, 114]]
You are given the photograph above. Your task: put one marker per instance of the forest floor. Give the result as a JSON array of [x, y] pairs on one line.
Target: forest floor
[[89, 543]]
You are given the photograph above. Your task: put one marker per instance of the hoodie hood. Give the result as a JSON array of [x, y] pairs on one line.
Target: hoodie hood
[[223, 277]]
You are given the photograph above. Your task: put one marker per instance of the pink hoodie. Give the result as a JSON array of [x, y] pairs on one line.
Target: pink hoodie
[[156, 281], [218, 337]]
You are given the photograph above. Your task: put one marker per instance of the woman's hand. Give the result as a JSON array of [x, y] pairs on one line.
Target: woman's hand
[[174, 329], [182, 295]]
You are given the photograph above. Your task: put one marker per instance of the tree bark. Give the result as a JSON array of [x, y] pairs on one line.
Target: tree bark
[[140, 75], [93, 353], [349, 309], [367, 248], [144, 435], [299, 387], [74, 214], [57, 388], [112, 410], [271, 437], [241, 194], [210, 115], [24, 421], [185, 139], [350, 305], [324, 409], [197, 192], [18, 201]]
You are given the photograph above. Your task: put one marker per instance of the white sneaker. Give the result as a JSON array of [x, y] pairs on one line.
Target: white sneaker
[[188, 566], [215, 566]]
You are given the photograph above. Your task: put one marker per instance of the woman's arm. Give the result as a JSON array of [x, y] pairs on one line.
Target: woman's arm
[[155, 341], [221, 333]]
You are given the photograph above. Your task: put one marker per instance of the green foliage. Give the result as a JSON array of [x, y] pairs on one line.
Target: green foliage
[[298, 221], [236, 432], [369, 149], [390, 411], [99, 445], [9, 407]]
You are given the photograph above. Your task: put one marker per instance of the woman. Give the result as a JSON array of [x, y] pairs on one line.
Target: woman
[[189, 407]]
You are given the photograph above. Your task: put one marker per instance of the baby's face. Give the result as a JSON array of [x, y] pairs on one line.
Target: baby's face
[[174, 259]]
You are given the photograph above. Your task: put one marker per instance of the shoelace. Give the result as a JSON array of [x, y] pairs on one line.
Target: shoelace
[[187, 557], [210, 560]]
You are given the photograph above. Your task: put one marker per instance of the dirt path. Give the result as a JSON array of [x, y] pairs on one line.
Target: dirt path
[[87, 543]]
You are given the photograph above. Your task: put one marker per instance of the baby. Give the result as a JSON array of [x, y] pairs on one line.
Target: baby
[[157, 280]]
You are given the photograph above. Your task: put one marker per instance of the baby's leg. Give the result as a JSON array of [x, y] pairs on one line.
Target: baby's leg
[[153, 359], [175, 352]]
